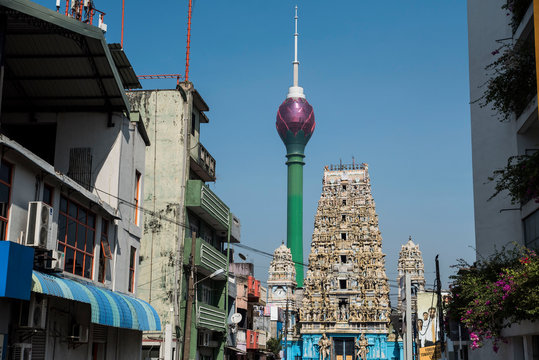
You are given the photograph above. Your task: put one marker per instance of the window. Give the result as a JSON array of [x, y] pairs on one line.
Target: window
[[48, 191], [6, 175], [343, 236], [343, 217], [76, 236], [531, 231], [137, 197], [343, 259], [342, 284], [132, 263], [344, 187], [205, 295], [193, 123], [104, 251], [344, 202]]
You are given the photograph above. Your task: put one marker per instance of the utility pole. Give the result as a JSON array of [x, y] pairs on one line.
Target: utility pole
[[286, 329], [190, 299], [439, 306], [408, 286]]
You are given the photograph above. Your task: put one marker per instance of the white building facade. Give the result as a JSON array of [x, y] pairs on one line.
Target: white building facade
[[498, 222]]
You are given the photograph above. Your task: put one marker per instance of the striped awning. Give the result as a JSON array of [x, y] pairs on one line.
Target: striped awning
[[108, 307]]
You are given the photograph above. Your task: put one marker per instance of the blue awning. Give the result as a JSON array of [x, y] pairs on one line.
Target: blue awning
[[108, 307]]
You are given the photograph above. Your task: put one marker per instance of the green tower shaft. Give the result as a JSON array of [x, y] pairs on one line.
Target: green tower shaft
[[294, 225]]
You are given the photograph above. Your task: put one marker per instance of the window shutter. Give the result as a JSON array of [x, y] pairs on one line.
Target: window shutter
[[80, 166]]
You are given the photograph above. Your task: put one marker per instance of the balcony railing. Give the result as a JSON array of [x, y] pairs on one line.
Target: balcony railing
[[206, 256], [202, 163], [211, 317], [203, 202]]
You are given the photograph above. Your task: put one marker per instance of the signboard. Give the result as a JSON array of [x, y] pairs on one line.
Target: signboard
[[430, 352]]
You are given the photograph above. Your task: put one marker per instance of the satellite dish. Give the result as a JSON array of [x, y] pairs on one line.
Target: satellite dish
[[235, 318], [242, 256]]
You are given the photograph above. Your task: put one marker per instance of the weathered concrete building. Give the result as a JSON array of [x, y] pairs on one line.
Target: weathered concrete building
[[345, 308], [179, 204], [72, 163]]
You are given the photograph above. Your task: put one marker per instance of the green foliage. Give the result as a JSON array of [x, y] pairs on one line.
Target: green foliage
[[517, 9], [520, 178], [494, 293], [512, 84], [274, 346]]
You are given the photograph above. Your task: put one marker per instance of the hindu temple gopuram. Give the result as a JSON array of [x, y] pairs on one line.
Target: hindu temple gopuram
[[411, 262], [345, 307]]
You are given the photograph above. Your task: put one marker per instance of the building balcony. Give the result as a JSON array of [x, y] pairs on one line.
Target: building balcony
[[263, 295], [252, 340], [211, 317], [207, 258], [202, 163], [253, 289], [204, 203]]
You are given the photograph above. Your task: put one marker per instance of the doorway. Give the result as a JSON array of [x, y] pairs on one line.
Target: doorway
[[344, 348]]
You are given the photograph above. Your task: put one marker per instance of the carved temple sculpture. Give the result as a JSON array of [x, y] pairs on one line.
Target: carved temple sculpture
[[346, 291], [362, 348]]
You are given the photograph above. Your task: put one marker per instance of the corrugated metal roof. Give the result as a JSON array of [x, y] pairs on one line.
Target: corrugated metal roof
[[129, 78], [56, 63]]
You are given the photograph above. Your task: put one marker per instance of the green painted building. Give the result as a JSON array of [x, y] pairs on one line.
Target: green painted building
[[178, 204]]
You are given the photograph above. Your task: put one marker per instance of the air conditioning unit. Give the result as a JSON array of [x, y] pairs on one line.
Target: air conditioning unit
[[34, 314], [57, 261], [79, 333], [39, 226], [21, 351]]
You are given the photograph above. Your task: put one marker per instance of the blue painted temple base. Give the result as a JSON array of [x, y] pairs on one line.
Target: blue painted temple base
[[379, 347]]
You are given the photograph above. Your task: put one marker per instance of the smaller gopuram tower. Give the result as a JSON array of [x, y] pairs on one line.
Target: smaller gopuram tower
[[282, 278], [410, 261]]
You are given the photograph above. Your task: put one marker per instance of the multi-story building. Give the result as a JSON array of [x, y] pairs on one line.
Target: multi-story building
[[495, 27], [249, 325], [71, 179], [180, 205]]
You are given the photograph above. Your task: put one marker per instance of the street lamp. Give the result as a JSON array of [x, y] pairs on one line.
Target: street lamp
[[212, 275]]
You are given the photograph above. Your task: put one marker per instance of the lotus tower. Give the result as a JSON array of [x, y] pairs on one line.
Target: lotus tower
[[295, 125]]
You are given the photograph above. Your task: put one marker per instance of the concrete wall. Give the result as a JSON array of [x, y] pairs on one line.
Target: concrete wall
[[162, 112], [493, 142], [497, 222]]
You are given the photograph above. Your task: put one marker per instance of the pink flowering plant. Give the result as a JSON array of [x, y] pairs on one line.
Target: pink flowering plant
[[493, 294]]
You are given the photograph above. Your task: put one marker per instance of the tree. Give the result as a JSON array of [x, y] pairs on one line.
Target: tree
[[274, 346]]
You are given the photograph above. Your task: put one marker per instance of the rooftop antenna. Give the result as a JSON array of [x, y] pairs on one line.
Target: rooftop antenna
[[295, 90], [188, 41]]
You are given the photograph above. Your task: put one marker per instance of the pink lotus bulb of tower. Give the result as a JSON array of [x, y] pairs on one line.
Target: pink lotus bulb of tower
[[295, 114]]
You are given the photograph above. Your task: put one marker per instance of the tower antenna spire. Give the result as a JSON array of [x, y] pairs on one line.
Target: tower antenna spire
[[296, 62], [295, 91]]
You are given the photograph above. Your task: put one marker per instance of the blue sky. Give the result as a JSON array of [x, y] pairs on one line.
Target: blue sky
[[388, 81]]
